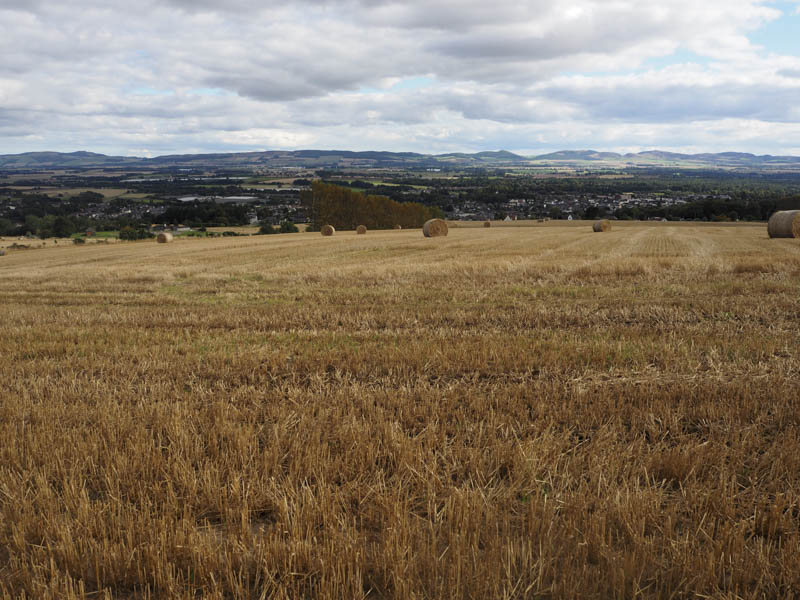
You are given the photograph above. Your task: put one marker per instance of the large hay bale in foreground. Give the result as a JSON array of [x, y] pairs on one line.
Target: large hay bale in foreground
[[327, 230], [434, 228], [361, 229], [165, 237], [784, 224], [604, 225], [487, 223]]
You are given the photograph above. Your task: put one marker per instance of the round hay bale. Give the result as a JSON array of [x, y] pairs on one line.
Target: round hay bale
[[165, 237], [398, 226], [2, 252], [487, 223], [784, 224], [604, 225], [361, 229], [434, 228], [327, 230]]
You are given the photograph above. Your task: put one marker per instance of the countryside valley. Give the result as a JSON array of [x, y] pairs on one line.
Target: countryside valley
[[61, 195]]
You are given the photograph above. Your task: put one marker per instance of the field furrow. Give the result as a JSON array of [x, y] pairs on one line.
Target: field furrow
[[513, 412]]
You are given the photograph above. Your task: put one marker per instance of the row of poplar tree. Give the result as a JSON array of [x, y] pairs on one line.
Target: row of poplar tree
[[343, 208]]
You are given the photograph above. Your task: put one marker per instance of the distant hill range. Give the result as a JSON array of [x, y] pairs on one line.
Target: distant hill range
[[661, 158], [346, 159]]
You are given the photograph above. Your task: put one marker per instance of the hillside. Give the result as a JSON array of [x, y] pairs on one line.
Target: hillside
[[659, 158], [271, 159], [410, 160]]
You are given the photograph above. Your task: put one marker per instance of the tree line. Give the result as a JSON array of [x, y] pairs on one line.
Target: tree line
[[343, 208], [707, 209]]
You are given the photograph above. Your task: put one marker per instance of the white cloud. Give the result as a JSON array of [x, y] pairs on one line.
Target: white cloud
[[210, 75]]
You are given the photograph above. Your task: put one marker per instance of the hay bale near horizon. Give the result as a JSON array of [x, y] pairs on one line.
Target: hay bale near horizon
[[327, 230], [398, 226], [434, 228], [487, 223], [165, 237], [361, 229], [602, 225], [784, 224]]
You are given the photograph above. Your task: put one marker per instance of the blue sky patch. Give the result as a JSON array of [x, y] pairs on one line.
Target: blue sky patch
[[781, 36], [681, 56]]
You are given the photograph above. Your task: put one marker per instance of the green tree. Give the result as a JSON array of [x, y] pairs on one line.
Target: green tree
[[591, 212], [32, 224], [288, 227], [63, 227], [7, 227]]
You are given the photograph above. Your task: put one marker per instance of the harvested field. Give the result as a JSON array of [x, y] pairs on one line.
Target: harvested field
[[514, 412], [240, 229]]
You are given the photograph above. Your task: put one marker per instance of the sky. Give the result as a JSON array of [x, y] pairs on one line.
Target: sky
[[148, 78]]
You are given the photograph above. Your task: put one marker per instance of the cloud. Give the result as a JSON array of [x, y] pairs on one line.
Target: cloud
[[207, 75], [678, 95]]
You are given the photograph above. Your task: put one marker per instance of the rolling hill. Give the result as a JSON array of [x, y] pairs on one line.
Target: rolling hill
[[30, 161]]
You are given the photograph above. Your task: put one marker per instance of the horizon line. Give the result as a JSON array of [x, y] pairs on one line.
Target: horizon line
[[432, 154]]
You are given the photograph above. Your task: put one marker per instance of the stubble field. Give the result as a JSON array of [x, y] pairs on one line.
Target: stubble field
[[512, 412]]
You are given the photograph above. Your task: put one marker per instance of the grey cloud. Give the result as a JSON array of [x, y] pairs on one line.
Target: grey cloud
[[500, 47], [97, 69], [676, 102], [272, 89], [406, 109], [454, 15], [16, 123], [20, 5], [607, 32], [502, 109], [313, 53]]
